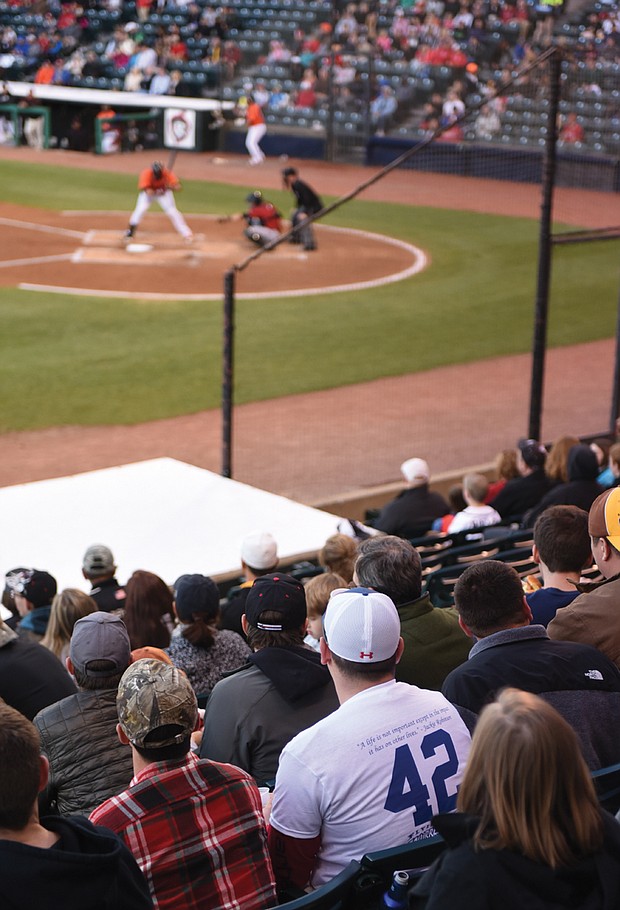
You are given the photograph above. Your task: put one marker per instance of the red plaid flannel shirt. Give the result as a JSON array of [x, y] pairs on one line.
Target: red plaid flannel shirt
[[196, 830]]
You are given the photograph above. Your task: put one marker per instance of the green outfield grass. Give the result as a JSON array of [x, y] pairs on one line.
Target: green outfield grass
[[94, 361]]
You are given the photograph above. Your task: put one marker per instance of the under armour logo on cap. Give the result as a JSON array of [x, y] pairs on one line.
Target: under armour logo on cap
[[361, 625]]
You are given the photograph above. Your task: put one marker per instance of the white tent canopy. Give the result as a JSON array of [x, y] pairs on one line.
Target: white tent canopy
[[163, 515]]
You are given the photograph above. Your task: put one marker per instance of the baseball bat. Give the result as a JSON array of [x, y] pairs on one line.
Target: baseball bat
[[172, 157]]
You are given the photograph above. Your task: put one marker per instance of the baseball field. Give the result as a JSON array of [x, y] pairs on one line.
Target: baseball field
[[425, 274]]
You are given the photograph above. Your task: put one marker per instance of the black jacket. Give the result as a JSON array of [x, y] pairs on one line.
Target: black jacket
[[108, 595], [412, 513], [580, 490], [526, 658], [521, 494], [463, 879], [306, 198], [89, 867], [31, 677]]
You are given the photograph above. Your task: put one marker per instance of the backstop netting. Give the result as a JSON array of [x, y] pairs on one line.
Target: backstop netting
[[447, 351]]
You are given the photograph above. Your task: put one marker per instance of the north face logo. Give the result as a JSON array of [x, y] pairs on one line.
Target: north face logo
[[593, 674]]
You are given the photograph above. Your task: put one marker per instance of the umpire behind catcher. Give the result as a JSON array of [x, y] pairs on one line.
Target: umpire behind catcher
[[308, 203]]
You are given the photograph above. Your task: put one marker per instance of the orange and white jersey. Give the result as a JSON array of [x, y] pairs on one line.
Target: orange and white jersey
[[167, 181]]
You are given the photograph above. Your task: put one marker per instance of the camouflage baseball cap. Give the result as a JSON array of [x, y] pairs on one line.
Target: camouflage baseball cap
[[152, 695]]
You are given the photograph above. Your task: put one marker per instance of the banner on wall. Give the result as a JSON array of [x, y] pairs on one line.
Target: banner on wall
[[180, 129]]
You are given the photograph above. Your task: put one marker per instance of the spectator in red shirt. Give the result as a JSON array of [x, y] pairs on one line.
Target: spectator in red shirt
[[195, 828], [572, 131]]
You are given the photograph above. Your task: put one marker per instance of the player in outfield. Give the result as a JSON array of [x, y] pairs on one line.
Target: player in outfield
[[159, 184]]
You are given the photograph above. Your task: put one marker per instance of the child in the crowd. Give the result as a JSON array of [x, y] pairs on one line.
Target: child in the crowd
[[318, 590]]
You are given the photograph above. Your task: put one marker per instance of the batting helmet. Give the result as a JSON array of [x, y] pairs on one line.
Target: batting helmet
[[157, 169], [255, 198]]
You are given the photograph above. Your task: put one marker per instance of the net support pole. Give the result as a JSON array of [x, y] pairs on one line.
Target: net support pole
[[227, 372], [539, 344]]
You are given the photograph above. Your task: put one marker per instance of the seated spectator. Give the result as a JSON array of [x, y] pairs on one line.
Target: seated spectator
[[476, 514], [31, 677], [345, 785], [197, 647], [283, 689], [593, 617], [45, 73], [196, 828], [259, 556], [318, 591], [231, 58], [505, 470], [87, 764], [382, 109], [148, 611], [260, 93], [508, 651], [67, 607], [99, 569], [562, 550], [571, 131], [456, 503], [278, 53], [529, 827], [488, 124], [433, 641], [10, 614], [305, 96], [133, 80], [33, 592], [160, 81], [580, 490], [55, 862], [413, 511], [338, 555], [453, 107], [279, 98], [601, 447], [556, 465], [614, 463], [526, 491]]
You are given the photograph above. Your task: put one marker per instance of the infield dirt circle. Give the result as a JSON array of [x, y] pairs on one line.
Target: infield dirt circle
[[84, 252]]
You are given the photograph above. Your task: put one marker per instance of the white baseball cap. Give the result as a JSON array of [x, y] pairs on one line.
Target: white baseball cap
[[415, 469], [361, 625], [259, 550]]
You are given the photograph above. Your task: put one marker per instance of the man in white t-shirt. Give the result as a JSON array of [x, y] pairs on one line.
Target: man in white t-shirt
[[372, 774]]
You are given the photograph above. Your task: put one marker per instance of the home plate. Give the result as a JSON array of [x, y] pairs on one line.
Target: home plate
[[139, 247]]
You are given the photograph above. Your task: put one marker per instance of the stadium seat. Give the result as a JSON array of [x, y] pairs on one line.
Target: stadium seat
[[331, 896], [414, 858], [607, 784]]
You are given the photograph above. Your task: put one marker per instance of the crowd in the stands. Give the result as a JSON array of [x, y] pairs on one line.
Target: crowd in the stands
[[417, 63], [239, 750]]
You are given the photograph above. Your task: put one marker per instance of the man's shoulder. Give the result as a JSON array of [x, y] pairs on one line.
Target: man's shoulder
[[241, 679], [601, 595], [116, 812]]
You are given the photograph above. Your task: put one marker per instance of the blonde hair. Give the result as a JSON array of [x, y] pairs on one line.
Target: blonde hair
[[67, 607], [556, 465], [476, 486], [528, 783], [614, 454], [318, 590], [338, 555]]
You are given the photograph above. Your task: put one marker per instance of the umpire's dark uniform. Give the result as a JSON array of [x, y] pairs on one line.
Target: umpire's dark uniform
[[308, 203]]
